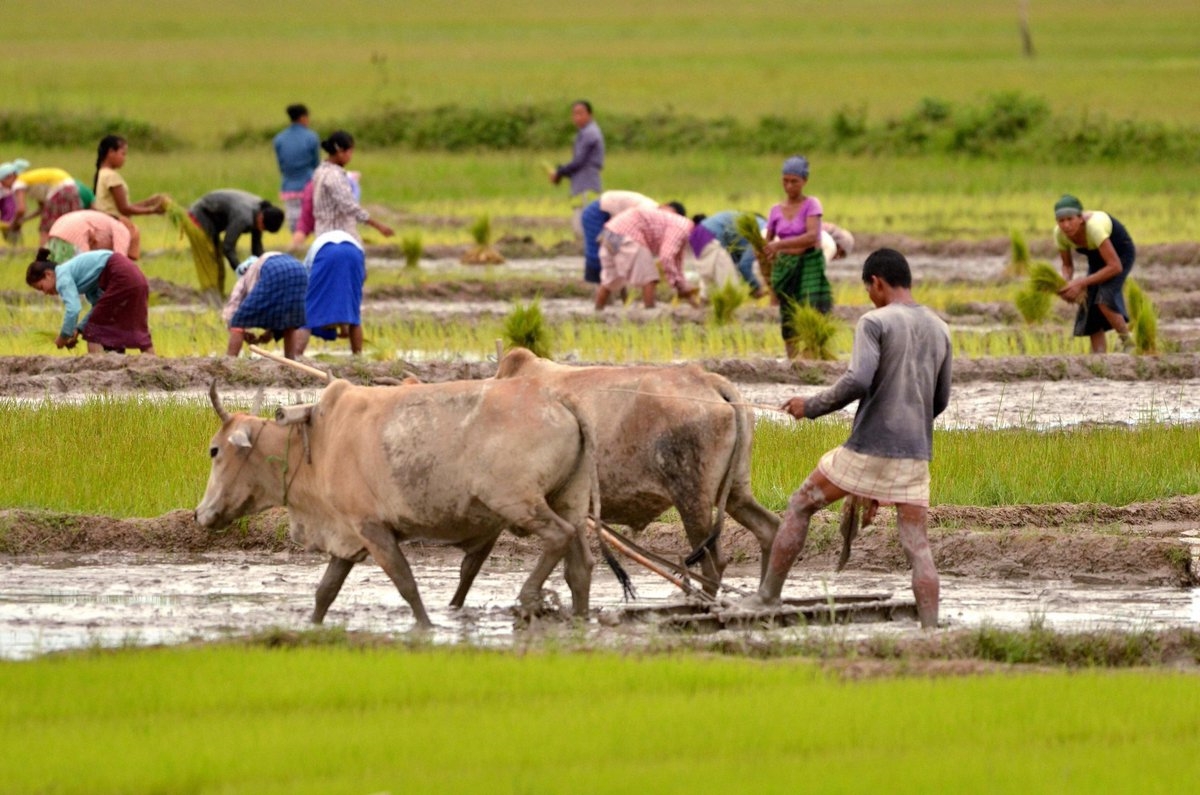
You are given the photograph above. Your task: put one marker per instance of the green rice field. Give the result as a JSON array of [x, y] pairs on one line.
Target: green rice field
[[1148, 462], [337, 720], [323, 713]]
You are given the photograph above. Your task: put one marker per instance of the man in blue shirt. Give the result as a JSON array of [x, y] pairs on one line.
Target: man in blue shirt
[[587, 159], [298, 152]]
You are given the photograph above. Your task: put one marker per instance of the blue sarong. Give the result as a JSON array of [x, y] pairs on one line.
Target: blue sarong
[[335, 286], [592, 220], [277, 300]]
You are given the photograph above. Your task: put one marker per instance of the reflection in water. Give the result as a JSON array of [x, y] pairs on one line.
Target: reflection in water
[[114, 600]]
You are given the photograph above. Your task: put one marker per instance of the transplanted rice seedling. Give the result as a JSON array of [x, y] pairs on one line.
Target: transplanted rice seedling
[[484, 253], [1019, 259], [412, 247], [525, 327]]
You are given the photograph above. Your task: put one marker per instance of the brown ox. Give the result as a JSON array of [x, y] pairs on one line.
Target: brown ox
[[664, 436], [368, 467]]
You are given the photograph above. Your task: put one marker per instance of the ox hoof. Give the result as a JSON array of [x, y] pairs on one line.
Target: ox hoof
[[547, 606]]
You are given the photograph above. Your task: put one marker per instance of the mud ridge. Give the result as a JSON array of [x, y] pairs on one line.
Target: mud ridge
[[1135, 544]]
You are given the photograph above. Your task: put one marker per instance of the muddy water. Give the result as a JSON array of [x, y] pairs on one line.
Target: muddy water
[[111, 600]]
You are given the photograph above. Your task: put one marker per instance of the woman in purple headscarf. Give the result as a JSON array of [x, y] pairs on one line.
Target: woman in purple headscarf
[[794, 247]]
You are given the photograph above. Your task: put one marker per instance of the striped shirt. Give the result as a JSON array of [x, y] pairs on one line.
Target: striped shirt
[[663, 232]]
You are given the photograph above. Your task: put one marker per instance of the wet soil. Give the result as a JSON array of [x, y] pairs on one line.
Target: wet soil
[[1016, 549], [1139, 544]]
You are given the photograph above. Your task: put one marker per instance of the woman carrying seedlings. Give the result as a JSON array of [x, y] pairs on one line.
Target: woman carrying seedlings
[[1110, 255], [54, 190], [336, 273], [334, 205], [269, 295], [112, 194], [794, 247], [114, 286], [86, 230]]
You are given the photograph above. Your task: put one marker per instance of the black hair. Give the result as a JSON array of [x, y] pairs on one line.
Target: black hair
[[107, 144], [889, 265], [297, 111], [340, 141], [678, 207], [272, 216], [39, 267], [587, 105], [698, 217]]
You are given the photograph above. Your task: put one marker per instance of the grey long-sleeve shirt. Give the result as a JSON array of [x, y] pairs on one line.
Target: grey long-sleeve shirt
[[586, 161], [230, 212], [900, 375]]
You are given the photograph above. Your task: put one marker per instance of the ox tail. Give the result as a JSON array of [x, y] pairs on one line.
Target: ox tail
[[589, 459], [741, 447]]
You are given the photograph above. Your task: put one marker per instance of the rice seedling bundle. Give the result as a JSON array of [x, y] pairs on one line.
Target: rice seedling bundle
[[726, 299], [1033, 304], [1045, 278], [812, 331], [1135, 300], [747, 227], [204, 253], [525, 327]]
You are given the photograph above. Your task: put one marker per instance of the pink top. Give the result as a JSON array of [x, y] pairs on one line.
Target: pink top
[[784, 228], [664, 232], [107, 232]]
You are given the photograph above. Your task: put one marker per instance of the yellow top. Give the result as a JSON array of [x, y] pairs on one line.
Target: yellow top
[[108, 179]]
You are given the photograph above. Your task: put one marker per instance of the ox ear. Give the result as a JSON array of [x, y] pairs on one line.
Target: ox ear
[[240, 438]]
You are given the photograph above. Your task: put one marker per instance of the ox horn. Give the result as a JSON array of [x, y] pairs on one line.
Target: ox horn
[[216, 402]]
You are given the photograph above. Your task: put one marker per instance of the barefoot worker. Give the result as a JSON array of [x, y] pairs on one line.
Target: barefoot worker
[[114, 286], [900, 375], [1110, 254]]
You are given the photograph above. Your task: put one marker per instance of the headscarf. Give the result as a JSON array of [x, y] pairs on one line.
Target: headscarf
[[797, 166], [13, 167], [1067, 206]]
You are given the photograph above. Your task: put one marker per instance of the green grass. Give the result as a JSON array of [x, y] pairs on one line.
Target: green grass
[[334, 720], [171, 63], [91, 458], [935, 198]]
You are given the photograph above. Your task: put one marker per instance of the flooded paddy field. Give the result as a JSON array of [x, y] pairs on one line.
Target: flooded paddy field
[[66, 602]]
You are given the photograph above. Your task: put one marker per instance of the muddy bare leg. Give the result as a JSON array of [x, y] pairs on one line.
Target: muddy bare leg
[[814, 493], [383, 548], [911, 522], [473, 558], [331, 584]]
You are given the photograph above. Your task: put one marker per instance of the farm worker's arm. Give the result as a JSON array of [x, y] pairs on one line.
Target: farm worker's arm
[[854, 383], [1111, 269], [69, 292]]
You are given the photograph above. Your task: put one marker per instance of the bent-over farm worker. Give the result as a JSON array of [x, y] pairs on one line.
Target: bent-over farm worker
[[900, 375], [1110, 254], [114, 286], [629, 245]]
